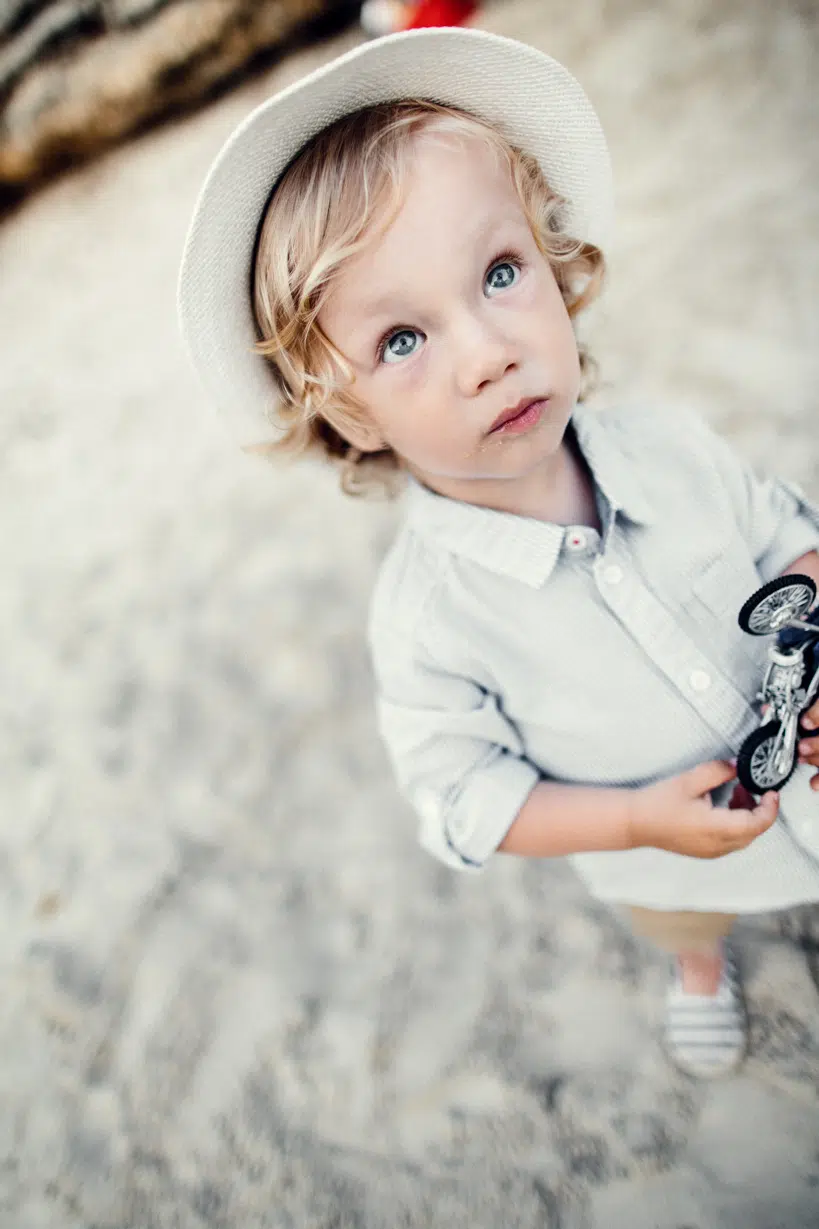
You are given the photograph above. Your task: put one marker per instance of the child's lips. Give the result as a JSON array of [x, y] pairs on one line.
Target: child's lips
[[524, 421]]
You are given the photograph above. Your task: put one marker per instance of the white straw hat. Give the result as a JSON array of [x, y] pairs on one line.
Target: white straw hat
[[533, 100]]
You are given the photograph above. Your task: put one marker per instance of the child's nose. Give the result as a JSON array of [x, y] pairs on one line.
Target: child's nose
[[486, 360]]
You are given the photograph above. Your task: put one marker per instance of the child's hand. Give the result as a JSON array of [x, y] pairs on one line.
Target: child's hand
[[809, 747], [677, 814]]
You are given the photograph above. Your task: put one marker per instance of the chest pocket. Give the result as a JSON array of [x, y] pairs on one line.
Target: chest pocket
[[718, 591], [726, 581]]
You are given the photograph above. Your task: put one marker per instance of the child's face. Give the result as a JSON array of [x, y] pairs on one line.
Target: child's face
[[463, 330]]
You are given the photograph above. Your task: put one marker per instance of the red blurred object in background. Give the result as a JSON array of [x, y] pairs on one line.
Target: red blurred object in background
[[440, 13], [380, 17]]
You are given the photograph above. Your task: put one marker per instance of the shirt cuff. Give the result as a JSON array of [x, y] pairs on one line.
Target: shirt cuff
[[465, 831], [796, 538]]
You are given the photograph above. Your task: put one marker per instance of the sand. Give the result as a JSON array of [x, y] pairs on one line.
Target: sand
[[235, 991]]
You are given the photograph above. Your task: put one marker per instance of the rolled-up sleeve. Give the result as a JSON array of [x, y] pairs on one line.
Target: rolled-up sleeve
[[777, 519], [457, 759]]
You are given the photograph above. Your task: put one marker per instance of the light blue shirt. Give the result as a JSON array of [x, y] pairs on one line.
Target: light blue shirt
[[507, 649]]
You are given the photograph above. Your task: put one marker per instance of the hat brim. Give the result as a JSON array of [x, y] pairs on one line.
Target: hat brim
[[534, 101]]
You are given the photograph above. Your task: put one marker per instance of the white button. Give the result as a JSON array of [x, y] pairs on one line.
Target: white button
[[699, 680], [460, 825], [613, 574], [577, 540]]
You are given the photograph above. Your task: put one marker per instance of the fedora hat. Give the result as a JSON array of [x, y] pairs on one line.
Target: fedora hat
[[531, 98]]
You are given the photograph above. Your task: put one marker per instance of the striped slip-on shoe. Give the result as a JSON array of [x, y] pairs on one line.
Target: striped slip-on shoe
[[706, 1035]]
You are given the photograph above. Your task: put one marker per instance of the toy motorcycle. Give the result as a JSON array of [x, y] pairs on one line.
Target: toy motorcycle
[[768, 756]]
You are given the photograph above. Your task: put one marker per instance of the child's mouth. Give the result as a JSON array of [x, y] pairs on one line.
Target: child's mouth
[[524, 421]]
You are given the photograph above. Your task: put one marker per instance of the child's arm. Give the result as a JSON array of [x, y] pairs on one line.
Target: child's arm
[[558, 819], [460, 762], [807, 565], [457, 759], [672, 814]]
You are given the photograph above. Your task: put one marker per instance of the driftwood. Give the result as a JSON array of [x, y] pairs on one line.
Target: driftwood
[[76, 76]]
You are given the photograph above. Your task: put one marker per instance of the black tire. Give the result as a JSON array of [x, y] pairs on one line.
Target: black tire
[[751, 745], [804, 588]]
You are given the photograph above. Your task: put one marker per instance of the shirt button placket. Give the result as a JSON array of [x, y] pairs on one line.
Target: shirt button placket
[[666, 643]]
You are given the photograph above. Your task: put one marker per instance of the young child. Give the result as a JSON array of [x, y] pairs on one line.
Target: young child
[[386, 266]]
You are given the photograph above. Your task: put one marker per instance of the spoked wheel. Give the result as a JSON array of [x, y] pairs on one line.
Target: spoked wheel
[[755, 766], [781, 599]]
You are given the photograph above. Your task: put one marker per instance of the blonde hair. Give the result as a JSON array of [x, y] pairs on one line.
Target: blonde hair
[[351, 173]]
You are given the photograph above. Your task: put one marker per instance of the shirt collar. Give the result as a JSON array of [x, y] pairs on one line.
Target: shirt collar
[[519, 546]]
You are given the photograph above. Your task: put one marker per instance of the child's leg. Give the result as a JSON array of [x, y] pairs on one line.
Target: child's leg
[[705, 1017], [692, 936]]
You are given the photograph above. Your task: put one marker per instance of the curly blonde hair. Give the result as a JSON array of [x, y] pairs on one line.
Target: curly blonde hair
[[318, 217]]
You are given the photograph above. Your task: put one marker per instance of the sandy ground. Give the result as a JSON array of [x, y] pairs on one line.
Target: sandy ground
[[234, 991]]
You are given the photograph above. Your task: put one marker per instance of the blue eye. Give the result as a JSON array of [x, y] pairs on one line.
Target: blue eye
[[507, 265], [386, 354]]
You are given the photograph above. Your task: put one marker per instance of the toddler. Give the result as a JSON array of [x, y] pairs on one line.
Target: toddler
[[386, 266]]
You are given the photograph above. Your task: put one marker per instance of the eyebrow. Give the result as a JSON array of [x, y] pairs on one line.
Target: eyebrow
[[387, 302]]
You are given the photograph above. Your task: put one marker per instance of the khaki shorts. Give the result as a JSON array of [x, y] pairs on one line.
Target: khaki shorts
[[685, 931]]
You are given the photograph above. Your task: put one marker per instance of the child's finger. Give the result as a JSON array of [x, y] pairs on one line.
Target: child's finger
[[808, 749], [743, 826], [769, 802]]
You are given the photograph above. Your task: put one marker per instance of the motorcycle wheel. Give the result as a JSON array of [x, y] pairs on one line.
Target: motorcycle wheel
[[754, 760], [757, 616]]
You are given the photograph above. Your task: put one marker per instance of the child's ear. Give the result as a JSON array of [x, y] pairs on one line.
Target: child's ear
[[364, 436], [370, 441]]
